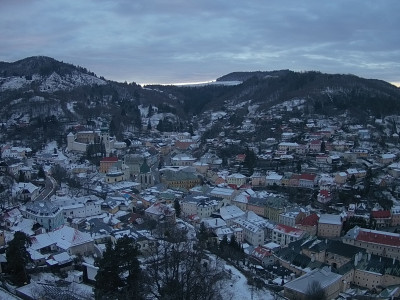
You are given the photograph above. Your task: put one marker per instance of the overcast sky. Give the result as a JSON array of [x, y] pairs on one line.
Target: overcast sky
[[174, 41]]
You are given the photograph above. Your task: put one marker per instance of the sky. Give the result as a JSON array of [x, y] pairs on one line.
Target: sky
[[182, 41]]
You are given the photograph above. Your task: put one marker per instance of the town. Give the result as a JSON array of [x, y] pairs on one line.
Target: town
[[309, 210]]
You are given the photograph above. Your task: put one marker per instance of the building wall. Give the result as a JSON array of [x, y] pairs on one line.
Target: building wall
[[241, 205], [83, 249], [320, 256], [389, 280], [311, 230], [189, 208], [273, 213], [367, 279], [258, 210], [329, 230], [378, 249], [48, 222]]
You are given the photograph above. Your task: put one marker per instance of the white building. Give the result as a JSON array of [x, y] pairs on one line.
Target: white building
[[236, 179], [273, 178], [230, 213], [283, 235], [253, 234]]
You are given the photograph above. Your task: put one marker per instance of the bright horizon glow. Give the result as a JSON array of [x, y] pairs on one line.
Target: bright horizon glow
[[396, 83], [180, 83]]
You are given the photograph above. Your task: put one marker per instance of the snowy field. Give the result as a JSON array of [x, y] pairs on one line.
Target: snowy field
[[238, 289]]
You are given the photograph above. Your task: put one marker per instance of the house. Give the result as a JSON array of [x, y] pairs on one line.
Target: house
[[309, 224], [273, 178], [274, 206], [161, 212], [252, 233], [198, 205], [286, 146], [45, 213], [81, 207], [179, 178], [262, 256], [324, 196], [387, 158], [395, 212], [373, 272], [307, 180], [329, 226], [376, 242], [26, 191], [291, 217], [230, 213], [382, 218], [283, 234], [236, 180], [340, 178], [64, 238], [183, 160], [330, 283], [106, 163], [257, 179]]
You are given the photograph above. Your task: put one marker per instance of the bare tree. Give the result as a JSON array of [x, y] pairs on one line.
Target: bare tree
[[315, 291], [61, 291], [179, 269]]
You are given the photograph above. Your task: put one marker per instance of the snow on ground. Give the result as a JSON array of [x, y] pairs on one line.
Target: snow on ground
[[70, 107], [49, 149], [6, 295], [238, 289]]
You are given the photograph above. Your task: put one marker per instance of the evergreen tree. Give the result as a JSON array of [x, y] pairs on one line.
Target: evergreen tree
[[323, 147], [18, 257], [21, 177], [177, 207], [119, 272], [107, 279], [41, 173]]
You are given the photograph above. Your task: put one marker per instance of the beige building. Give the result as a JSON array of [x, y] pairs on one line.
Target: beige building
[[236, 179], [329, 226], [329, 281], [376, 242]]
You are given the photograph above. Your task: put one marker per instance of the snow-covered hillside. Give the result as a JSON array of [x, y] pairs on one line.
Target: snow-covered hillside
[[51, 83], [55, 82]]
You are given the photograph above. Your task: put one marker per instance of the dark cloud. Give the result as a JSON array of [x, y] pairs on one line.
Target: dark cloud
[[187, 40]]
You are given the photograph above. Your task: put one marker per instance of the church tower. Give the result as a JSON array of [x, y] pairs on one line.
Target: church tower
[[105, 137], [145, 177]]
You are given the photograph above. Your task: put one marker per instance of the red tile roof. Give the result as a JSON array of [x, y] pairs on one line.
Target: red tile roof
[[372, 236], [260, 252], [311, 220], [289, 230], [305, 176], [109, 159], [380, 214], [324, 193]]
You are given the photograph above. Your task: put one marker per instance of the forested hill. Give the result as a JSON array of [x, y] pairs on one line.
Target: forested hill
[[75, 93]]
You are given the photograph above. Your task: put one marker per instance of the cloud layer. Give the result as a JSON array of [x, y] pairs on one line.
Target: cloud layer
[[157, 41]]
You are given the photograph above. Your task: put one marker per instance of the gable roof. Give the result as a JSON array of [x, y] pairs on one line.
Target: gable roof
[[311, 220], [380, 214]]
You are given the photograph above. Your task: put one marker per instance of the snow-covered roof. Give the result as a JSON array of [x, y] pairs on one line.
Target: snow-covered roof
[[330, 219], [323, 276], [64, 237], [231, 212]]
